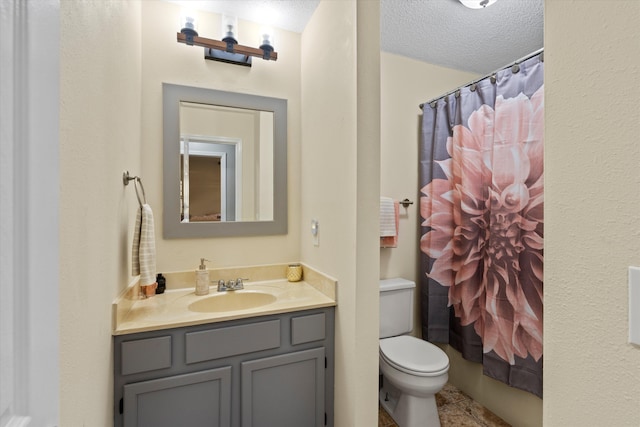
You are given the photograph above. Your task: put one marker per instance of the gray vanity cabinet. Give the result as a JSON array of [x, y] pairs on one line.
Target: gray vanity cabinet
[[284, 390], [203, 398], [261, 372]]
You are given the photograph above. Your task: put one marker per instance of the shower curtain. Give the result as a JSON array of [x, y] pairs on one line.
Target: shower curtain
[[481, 203]]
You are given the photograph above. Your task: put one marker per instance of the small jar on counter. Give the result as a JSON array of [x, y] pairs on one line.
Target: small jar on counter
[[294, 272]]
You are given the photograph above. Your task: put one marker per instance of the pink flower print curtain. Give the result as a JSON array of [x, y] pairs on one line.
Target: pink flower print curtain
[[481, 202]]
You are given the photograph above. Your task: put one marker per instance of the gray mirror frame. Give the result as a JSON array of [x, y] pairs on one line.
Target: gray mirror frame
[[172, 95]]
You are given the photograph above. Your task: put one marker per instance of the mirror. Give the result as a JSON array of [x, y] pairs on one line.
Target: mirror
[[225, 163]]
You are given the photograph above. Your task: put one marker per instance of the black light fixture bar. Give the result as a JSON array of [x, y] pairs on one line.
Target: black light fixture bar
[[223, 46]]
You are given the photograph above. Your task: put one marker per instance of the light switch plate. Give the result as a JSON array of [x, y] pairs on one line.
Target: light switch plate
[[634, 305], [315, 231]]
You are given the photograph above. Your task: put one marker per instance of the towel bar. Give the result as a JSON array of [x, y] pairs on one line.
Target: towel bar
[[406, 203]]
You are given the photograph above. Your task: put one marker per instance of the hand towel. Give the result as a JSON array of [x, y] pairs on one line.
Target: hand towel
[[392, 241], [387, 217], [144, 247]]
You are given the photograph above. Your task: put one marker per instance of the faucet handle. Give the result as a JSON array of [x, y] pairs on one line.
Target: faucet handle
[[221, 286], [239, 283]]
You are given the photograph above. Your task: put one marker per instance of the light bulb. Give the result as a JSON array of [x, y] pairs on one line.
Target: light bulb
[[188, 22], [229, 28], [477, 4], [266, 38]]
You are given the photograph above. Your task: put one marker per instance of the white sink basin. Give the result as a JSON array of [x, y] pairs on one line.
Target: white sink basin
[[232, 301]]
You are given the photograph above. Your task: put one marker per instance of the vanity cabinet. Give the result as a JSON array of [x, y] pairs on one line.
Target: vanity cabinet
[[284, 390], [264, 371], [202, 398]]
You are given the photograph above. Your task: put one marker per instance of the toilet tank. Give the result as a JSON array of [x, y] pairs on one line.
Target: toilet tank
[[396, 307]]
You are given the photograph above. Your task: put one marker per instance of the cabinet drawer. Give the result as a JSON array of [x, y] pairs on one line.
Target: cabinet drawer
[[145, 355], [307, 328], [231, 341]]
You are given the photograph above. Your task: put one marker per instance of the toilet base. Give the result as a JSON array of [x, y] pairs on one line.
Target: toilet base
[[407, 410]]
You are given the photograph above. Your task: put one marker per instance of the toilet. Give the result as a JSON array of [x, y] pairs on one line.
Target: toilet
[[413, 370]]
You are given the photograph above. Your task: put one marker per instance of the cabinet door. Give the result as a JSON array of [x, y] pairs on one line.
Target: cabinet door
[[284, 391], [190, 400]]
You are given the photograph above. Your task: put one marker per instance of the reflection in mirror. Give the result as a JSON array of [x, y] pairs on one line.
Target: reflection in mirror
[[222, 189], [205, 165], [224, 163]]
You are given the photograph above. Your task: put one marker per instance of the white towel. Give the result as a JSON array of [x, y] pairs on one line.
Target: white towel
[[144, 247], [387, 217], [392, 241]]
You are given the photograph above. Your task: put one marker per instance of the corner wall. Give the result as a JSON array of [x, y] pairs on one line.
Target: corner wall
[[99, 139], [592, 201], [405, 84], [340, 188]]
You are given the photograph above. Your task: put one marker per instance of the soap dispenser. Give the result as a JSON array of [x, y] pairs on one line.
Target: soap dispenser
[[202, 278]]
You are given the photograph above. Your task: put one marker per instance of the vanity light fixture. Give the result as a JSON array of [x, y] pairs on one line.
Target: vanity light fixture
[[227, 50], [477, 4]]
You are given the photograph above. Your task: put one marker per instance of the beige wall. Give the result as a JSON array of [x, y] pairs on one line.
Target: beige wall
[[405, 84], [364, 367], [110, 121], [340, 187], [122, 130], [592, 67], [592, 201], [99, 139], [165, 60]]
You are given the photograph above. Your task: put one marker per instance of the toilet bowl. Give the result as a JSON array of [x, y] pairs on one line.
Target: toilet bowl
[[413, 370]]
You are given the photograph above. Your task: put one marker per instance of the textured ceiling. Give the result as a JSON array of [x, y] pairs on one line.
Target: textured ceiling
[[444, 32], [441, 32]]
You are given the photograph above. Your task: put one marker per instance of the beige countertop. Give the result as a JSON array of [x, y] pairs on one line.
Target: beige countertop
[[132, 313]]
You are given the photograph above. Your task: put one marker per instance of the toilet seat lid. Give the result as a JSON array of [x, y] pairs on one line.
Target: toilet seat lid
[[413, 355]]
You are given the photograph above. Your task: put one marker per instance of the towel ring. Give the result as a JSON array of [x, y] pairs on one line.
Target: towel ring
[[136, 180], [144, 196]]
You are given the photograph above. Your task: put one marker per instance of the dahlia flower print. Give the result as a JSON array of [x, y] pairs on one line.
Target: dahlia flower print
[[485, 225]]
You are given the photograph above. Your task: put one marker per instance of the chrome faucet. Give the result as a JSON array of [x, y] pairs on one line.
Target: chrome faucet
[[231, 285]]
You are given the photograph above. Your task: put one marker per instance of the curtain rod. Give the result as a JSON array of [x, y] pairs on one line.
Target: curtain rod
[[516, 62]]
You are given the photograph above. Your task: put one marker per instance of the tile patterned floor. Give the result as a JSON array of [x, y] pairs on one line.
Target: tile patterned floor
[[456, 409]]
